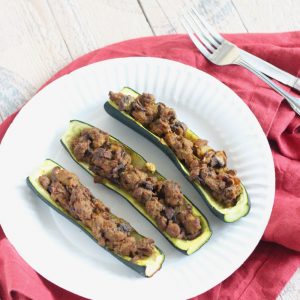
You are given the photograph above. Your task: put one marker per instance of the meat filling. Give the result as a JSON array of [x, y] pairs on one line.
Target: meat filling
[[162, 199], [110, 231], [207, 166]]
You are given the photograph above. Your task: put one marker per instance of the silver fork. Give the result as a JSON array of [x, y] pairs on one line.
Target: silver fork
[[221, 52]]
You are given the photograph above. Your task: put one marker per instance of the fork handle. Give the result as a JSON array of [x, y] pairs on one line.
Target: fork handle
[[293, 101]]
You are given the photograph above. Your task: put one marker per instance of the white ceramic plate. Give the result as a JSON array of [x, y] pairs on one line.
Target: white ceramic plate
[[60, 252]]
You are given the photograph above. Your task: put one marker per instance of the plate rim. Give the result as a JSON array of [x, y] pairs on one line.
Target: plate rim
[[145, 59]]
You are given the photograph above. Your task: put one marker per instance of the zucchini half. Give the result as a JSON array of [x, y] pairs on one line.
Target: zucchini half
[[186, 246], [146, 267], [230, 214]]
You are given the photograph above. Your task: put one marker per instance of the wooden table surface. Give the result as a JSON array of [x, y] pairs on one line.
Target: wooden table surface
[[39, 37]]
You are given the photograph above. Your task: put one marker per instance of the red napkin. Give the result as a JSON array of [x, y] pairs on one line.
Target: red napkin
[[277, 257]]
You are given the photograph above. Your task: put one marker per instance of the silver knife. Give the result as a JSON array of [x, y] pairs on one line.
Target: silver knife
[[270, 70]]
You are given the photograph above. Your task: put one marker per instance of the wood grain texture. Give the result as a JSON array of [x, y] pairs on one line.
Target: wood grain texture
[[164, 14], [31, 50], [269, 15], [292, 290], [87, 24]]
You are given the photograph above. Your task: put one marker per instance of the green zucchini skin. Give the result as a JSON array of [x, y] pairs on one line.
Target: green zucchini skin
[[227, 215], [177, 243], [140, 268]]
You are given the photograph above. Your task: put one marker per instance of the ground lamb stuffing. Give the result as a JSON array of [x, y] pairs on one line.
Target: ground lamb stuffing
[[110, 231], [162, 199], [207, 166]]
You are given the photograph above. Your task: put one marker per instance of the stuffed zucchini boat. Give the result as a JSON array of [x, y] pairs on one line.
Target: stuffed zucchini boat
[[62, 191], [204, 167], [124, 171]]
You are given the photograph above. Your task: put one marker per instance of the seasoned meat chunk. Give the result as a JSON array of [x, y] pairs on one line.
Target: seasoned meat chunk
[[110, 161], [144, 109], [142, 116], [230, 194], [191, 224], [160, 127], [124, 226], [115, 97], [59, 194], [112, 233], [66, 178], [142, 194], [218, 160], [128, 247], [123, 101], [207, 157], [146, 99], [154, 207], [169, 212], [149, 183], [166, 113], [161, 222], [173, 229], [178, 127], [105, 167], [44, 181], [173, 195], [145, 247], [97, 137], [89, 139], [131, 177], [210, 177], [126, 102], [53, 173], [81, 202], [120, 154], [194, 166], [96, 225], [225, 187], [100, 207], [102, 153], [180, 145], [81, 148], [200, 147]]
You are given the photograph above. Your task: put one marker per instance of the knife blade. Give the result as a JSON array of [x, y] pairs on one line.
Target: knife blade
[[270, 70]]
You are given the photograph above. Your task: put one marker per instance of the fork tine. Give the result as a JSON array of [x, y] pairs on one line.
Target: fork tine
[[204, 30], [211, 30], [190, 31], [199, 32]]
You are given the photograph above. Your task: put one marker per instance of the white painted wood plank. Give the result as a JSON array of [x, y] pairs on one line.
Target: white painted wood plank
[[31, 50], [159, 17], [292, 290], [269, 15], [222, 15], [87, 24], [163, 15]]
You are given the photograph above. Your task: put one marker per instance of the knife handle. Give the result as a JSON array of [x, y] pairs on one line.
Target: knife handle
[[293, 101], [270, 70], [296, 85]]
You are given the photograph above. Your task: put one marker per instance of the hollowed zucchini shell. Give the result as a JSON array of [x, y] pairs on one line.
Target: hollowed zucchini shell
[[230, 214], [185, 246], [146, 266]]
